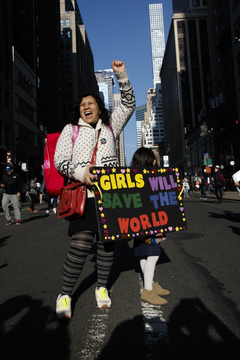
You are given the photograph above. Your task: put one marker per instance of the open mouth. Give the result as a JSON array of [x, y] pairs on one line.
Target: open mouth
[[88, 114]]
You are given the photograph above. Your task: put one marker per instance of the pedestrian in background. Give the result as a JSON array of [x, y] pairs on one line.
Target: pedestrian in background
[[33, 193], [12, 185], [186, 187], [51, 202], [203, 186], [148, 250], [41, 190], [218, 184]]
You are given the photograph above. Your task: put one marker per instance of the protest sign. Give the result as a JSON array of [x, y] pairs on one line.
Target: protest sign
[[138, 202]]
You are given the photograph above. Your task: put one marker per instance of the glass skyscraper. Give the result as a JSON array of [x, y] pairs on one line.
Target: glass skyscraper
[[157, 39]]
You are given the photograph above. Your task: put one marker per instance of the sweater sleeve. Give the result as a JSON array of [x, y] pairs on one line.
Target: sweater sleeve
[[124, 111]]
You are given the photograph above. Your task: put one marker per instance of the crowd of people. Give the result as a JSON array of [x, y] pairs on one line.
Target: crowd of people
[[14, 192], [208, 184]]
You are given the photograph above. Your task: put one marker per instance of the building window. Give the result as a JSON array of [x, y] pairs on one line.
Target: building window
[[7, 99], [195, 3], [25, 109], [235, 3], [67, 22], [238, 63], [22, 14], [25, 84], [61, 23], [237, 29]]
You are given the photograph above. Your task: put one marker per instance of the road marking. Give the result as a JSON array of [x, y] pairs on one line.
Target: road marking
[[95, 336], [155, 327]]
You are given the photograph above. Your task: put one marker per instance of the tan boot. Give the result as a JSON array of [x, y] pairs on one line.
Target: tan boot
[[151, 297], [159, 290]]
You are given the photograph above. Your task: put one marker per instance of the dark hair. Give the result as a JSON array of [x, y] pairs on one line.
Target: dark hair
[[76, 111], [143, 157]]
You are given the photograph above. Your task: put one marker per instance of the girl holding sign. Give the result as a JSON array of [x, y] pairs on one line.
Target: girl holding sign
[[149, 250]]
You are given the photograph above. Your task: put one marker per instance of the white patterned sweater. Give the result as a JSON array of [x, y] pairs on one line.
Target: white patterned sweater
[[73, 162]]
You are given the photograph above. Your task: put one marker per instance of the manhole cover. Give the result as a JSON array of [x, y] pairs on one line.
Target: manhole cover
[[183, 235]]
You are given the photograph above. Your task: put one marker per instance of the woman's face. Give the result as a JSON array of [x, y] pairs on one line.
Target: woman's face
[[89, 110]]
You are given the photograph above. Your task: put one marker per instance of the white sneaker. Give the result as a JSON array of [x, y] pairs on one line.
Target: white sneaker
[[47, 212], [55, 210], [63, 307], [103, 300]]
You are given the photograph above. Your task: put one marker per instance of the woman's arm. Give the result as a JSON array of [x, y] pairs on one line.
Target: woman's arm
[[123, 113]]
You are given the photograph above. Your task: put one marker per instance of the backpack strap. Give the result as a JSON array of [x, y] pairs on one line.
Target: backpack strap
[[110, 127], [75, 133]]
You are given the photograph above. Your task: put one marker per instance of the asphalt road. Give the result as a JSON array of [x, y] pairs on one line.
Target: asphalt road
[[200, 267]]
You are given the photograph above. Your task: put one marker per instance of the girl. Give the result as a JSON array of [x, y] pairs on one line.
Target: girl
[[148, 250]]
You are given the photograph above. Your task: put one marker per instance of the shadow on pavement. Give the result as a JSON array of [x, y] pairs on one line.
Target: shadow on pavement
[[227, 215], [194, 333], [29, 331]]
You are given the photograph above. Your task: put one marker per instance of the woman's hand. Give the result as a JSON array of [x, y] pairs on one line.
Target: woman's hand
[[88, 176], [118, 66]]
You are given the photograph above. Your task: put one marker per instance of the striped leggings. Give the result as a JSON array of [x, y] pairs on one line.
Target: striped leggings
[[80, 246]]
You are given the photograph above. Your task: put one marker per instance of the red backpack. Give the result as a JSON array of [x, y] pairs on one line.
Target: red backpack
[[222, 178], [54, 180]]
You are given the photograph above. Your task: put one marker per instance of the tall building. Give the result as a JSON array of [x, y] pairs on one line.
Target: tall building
[[153, 127], [105, 80], [36, 37], [44, 65], [140, 110], [77, 65], [186, 84], [181, 6], [28, 145], [200, 87], [6, 98], [157, 39], [235, 31]]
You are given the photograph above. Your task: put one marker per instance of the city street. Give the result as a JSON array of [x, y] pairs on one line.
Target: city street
[[200, 267]]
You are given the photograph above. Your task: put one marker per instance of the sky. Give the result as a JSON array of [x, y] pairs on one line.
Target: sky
[[120, 30]]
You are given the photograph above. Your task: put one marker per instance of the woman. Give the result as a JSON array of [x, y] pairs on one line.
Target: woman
[[94, 121]]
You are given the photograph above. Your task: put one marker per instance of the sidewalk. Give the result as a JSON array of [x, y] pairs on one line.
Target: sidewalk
[[228, 195]]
